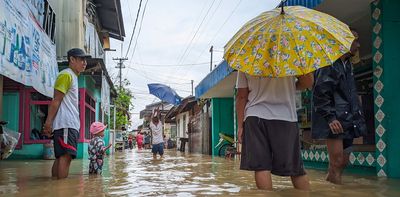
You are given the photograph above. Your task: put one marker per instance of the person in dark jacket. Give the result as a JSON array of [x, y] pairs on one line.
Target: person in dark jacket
[[336, 114]]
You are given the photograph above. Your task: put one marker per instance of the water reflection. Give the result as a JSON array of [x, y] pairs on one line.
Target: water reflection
[[133, 173]]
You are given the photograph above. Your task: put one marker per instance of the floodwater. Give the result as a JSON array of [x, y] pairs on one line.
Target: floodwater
[[133, 173]]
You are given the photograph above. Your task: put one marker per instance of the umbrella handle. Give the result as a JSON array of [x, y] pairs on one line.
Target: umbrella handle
[[282, 10]]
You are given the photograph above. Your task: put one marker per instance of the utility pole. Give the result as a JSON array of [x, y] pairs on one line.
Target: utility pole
[[120, 67], [211, 62], [192, 87]]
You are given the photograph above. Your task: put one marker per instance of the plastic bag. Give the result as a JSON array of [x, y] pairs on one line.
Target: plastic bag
[[8, 141]]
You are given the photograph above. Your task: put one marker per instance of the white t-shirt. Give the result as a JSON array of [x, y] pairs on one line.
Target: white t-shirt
[[68, 114], [157, 133], [269, 98]]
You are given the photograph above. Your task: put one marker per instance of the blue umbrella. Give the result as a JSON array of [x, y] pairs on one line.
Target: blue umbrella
[[164, 93]]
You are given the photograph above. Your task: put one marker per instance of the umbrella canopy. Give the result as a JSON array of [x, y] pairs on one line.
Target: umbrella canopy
[[164, 93], [292, 42]]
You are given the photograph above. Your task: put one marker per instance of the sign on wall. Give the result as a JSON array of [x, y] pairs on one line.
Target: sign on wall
[[27, 54]]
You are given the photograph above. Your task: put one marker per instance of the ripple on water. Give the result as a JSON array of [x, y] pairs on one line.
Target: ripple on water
[[138, 174]]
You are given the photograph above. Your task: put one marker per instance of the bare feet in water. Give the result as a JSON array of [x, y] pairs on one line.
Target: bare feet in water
[[334, 176]]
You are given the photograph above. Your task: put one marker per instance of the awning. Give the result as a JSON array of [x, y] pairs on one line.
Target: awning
[[95, 68], [219, 83], [356, 14], [110, 15]]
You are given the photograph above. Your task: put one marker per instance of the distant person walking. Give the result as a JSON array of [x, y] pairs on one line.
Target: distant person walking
[[156, 128], [63, 117], [139, 140]]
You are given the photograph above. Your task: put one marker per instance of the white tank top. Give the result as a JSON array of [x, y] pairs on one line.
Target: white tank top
[[68, 113]]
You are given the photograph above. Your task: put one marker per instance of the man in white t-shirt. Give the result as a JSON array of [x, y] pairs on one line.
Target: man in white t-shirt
[[63, 116], [267, 128], [157, 134]]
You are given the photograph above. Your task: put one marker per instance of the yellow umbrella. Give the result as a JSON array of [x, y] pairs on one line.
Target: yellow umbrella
[[292, 42]]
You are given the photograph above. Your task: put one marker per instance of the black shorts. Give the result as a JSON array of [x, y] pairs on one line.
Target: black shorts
[[272, 145], [65, 142]]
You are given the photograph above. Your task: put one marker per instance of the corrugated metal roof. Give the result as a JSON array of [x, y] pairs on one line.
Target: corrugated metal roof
[[305, 3], [213, 78]]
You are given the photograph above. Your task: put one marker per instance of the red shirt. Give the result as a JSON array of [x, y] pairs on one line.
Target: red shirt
[[139, 138]]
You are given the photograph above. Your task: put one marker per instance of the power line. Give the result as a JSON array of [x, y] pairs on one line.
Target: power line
[[173, 65], [144, 74], [220, 28], [134, 27], [195, 24], [140, 29], [191, 41], [205, 25]]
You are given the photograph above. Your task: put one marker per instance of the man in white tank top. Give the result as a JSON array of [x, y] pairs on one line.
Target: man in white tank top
[[63, 121]]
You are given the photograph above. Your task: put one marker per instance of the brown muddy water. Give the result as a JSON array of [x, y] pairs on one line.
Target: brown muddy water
[[133, 173]]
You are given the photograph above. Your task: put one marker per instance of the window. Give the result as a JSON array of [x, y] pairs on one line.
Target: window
[[173, 131], [35, 115], [90, 114], [179, 128], [184, 126], [49, 22]]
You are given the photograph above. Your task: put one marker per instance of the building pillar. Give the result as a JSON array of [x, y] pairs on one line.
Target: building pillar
[[386, 29]]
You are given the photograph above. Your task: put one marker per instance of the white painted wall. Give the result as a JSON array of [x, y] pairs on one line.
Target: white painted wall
[[181, 129]]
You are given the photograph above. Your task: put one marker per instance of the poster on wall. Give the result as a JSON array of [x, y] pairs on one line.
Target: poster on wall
[[27, 55], [105, 95]]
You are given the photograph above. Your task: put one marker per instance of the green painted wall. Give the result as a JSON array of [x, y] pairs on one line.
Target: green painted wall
[[391, 94], [86, 82], [11, 114], [11, 109], [29, 151], [222, 119], [82, 151]]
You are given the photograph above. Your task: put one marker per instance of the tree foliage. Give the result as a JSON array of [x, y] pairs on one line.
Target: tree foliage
[[124, 104]]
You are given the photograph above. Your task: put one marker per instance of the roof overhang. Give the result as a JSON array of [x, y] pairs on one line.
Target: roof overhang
[[96, 68], [110, 17], [356, 14], [219, 83]]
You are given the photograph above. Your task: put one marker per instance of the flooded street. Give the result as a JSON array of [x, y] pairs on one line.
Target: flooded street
[[133, 173]]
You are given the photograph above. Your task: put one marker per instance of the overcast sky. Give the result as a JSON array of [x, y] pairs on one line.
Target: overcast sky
[[173, 40]]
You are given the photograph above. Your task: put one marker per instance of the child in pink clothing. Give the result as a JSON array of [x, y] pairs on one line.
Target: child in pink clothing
[[97, 148]]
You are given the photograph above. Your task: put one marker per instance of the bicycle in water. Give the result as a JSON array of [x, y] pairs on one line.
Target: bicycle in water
[[226, 146]]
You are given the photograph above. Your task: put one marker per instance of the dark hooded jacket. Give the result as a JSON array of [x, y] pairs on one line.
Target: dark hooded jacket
[[335, 98]]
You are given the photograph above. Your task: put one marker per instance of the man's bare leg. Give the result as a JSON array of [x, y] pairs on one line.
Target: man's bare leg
[[263, 180], [335, 151], [301, 182], [63, 166], [154, 156], [54, 169]]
